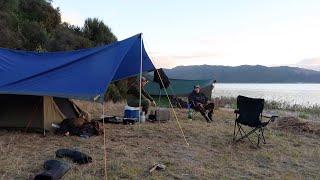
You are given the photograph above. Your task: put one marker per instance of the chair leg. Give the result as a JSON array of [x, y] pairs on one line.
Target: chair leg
[[235, 134], [258, 131], [262, 134], [246, 135], [241, 130], [234, 131]]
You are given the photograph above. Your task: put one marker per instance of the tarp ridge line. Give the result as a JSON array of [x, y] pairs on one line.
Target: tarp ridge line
[[116, 69], [58, 67]]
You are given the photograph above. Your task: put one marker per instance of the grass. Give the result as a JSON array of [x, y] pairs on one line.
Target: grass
[[303, 115], [133, 149]]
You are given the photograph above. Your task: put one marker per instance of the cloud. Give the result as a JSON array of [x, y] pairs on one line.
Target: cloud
[[192, 56], [73, 18], [169, 61], [310, 63]]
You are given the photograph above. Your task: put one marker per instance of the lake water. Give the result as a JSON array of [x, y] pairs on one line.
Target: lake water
[[304, 94]]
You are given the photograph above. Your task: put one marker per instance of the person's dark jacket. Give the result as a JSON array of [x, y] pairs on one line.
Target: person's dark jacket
[[195, 98], [134, 90]]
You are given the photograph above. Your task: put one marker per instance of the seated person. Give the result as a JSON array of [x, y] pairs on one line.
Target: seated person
[[201, 103], [133, 96]]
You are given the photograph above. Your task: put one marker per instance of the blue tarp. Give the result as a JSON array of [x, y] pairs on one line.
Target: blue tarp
[[82, 74]]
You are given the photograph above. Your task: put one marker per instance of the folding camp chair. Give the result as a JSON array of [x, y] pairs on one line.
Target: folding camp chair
[[249, 113]]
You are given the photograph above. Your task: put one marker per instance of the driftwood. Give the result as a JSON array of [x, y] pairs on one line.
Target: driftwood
[[54, 170], [157, 166], [76, 156]]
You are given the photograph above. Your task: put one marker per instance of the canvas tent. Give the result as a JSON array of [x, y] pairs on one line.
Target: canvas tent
[[82, 74], [24, 111]]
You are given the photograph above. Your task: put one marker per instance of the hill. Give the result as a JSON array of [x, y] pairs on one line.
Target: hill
[[246, 74]]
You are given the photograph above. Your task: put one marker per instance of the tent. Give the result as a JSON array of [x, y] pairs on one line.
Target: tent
[[179, 87], [81, 74], [36, 112]]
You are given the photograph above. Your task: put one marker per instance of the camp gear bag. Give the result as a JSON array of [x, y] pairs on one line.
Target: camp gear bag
[[162, 114], [54, 169]]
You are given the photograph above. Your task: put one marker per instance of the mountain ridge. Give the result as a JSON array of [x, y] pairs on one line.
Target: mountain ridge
[[245, 74]]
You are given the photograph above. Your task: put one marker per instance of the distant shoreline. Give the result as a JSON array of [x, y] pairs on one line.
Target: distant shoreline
[[267, 82]]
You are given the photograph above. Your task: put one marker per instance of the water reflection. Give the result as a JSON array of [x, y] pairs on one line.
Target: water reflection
[[304, 94]]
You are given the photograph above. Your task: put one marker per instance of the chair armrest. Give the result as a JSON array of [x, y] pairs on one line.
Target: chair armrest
[[269, 116], [272, 118], [237, 111]]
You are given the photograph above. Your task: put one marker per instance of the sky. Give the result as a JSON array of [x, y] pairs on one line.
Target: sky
[[213, 32]]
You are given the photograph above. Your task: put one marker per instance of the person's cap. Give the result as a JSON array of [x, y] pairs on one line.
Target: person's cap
[[197, 86]]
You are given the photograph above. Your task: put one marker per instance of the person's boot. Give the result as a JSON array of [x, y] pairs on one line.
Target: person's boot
[[210, 114], [207, 117]]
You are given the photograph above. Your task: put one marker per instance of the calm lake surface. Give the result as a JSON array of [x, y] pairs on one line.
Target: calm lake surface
[[303, 94]]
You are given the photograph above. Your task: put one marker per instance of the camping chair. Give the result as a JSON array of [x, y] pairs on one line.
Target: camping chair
[[249, 113]]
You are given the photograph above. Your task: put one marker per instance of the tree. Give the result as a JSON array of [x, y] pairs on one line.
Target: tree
[[10, 39], [98, 32], [8, 5], [65, 39], [35, 36], [40, 11]]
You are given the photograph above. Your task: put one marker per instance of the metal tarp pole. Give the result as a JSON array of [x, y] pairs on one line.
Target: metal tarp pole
[[140, 79]]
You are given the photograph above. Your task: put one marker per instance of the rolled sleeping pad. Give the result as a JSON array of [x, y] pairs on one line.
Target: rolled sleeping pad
[[76, 156], [54, 170]]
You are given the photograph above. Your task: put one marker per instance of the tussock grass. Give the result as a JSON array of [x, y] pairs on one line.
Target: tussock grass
[[133, 149]]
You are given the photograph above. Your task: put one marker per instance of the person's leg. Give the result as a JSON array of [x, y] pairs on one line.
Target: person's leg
[[210, 107], [198, 108], [145, 105], [134, 102], [203, 112]]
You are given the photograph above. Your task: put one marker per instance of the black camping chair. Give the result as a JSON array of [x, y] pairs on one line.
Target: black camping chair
[[249, 113]]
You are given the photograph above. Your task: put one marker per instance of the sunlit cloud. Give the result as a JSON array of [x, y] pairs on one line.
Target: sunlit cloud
[[312, 63], [169, 61]]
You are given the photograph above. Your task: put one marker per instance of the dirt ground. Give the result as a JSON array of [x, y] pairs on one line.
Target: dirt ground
[[133, 149]]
